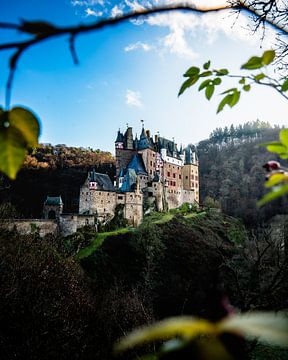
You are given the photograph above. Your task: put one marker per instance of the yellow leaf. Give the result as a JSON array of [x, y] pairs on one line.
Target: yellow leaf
[[186, 327], [276, 179]]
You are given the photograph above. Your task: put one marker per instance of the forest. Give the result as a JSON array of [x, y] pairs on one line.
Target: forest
[[88, 290]]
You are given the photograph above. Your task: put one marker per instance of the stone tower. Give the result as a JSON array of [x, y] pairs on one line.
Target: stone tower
[[190, 171], [53, 207]]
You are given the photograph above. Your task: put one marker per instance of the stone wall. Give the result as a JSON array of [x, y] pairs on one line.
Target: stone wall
[[133, 210], [70, 223], [30, 226], [94, 201]]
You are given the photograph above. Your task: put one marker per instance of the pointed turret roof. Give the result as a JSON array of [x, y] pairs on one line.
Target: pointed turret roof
[[137, 164], [120, 137], [144, 141]]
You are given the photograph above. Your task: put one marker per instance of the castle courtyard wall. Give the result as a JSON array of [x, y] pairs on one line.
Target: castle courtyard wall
[[30, 226]]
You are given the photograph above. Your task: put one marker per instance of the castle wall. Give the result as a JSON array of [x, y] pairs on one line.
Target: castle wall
[[173, 176], [95, 201], [30, 226], [190, 175], [70, 223], [149, 159], [133, 210]]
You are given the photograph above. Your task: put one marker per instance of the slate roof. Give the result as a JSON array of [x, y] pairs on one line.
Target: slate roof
[[120, 137], [53, 200], [137, 165], [190, 154], [170, 146], [129, 183], [103, 181]]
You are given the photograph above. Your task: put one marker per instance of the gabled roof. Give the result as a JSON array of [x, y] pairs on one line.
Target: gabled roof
[[137, 164], [53, 200], [103, 181], [129, 182], [170, 146]]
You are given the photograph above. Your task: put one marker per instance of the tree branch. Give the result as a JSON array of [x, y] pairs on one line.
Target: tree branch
[[41, 31]]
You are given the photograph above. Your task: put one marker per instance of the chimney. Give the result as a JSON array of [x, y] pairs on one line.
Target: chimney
[[148, 133]]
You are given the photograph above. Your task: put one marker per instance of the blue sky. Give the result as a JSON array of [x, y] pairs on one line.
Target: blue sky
[[131, 72]]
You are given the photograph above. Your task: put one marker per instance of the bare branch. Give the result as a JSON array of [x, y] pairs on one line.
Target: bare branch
[[41, 30]]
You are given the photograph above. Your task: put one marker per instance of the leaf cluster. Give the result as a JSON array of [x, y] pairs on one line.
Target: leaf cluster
[[277, 180], [232, 95]]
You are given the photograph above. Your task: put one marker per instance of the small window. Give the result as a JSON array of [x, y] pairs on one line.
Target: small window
[[186, 177], [120, 197], [174, 175], [180, 176], [168, 173]]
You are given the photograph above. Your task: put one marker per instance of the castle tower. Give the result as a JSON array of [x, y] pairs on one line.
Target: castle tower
[[53, 207], [190, 171]]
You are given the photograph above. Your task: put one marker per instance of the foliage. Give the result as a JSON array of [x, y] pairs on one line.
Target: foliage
[[277, 179], [73, 243], [47, 156], [213, 79], [8, 211], [97, 241], [118, 221], [231, 170]]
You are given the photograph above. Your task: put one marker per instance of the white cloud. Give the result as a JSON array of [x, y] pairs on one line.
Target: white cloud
[[183, 26], [116, 11], [138, 45], [90, 12], [133, 98]]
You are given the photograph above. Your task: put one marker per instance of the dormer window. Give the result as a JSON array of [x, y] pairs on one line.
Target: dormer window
[[92, 185]]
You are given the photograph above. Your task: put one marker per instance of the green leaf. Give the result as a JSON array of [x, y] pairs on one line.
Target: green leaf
[[277, 148], [206, 73], [217, 81], [12, 151], [247, 87], [283, 136], [26, 122], [189, 82], [186, 327], [204, 84], [226, 100], [276, 179], [222, 72], [242, 81], [192, 71], [19, 130], [265, 327], [235, 98], [254, 62], [207, 65], [259, 77], [284, 86], [209, 91], [268, 57], [229, 91]]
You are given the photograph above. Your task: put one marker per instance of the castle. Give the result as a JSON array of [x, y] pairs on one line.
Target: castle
[[151, 173]]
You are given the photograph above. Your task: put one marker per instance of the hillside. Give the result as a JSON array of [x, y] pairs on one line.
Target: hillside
[[56, 306], [53, 170], [231, 170]]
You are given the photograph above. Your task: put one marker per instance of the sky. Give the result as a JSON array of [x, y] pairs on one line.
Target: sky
[[132, 72]]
